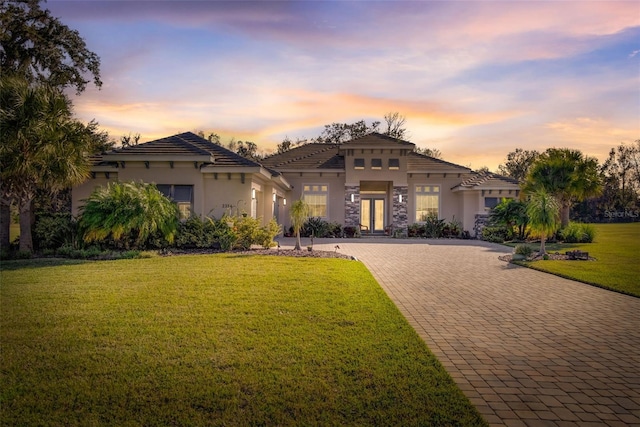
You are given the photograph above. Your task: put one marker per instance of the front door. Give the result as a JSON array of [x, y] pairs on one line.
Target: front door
[[372, 214]]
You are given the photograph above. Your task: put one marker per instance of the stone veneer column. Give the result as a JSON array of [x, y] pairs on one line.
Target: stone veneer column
[[351, 209], [400, 216]]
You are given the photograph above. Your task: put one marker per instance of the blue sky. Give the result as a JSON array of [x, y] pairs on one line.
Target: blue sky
[[474, 79]]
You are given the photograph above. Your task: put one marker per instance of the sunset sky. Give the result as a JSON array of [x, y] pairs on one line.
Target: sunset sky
[[474, 79]]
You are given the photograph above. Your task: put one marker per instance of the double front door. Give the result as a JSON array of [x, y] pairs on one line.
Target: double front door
[[372, 213]]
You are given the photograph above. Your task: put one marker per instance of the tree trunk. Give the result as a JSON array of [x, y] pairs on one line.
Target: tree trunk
[[5, 225], [564, 218], [297, 247], [543, 249], [26, 240]]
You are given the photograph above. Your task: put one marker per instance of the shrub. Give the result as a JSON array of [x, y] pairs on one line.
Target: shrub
[[525, 250], [434, 227], [316, 227], [415, 230], [495, 234], [578, 233], [268, 233], [127, 214], [195, 233], [53, 230]]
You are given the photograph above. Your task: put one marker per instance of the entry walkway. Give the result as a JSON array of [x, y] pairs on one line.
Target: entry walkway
[[527, 348]]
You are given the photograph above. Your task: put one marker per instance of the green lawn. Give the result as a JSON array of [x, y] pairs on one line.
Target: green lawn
[[213, 340], [617, 252]]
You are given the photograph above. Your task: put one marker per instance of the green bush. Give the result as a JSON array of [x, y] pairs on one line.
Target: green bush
[[578, 233], [495, 234], [434, 227], [53, 230], [525, 250], [268, 233], [196, 233]]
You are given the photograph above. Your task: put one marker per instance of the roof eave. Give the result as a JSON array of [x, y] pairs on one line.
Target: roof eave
[[147, 157]]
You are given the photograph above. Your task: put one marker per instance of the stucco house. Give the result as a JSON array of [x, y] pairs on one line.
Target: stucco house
[[374, 182]]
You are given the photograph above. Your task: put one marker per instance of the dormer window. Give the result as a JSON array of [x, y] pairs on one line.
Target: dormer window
[[376, 164], [394, 164], [358, 163]]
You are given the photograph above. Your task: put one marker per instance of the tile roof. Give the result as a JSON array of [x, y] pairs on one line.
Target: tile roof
[[375, 138], [486, 179], [417, 161], [308, 156], [184, 144]]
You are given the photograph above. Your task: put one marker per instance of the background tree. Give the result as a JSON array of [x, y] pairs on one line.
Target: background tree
[[395, 125], [518, 163], [543, 212], [128, 213], [338, 133], [566, 174], [129, 140], [299, 213], [42, 146], [431, 152], [40, 48], [622, 175]]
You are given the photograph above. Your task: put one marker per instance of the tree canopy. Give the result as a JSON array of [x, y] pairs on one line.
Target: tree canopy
[[566, 174], [42, 146], [518, 163], [40, 48]]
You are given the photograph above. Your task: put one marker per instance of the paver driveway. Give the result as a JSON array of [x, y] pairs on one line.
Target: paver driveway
[[527, 348]]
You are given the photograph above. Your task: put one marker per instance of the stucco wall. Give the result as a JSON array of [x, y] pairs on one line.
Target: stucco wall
[[450, 202], [85, 189], [336, 183]]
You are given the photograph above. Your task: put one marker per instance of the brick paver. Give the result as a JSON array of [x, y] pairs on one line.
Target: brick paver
[[527, 348]]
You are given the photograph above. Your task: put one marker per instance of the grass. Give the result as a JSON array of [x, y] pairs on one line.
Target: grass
[[14, 231], [616, 248], [213, 340]]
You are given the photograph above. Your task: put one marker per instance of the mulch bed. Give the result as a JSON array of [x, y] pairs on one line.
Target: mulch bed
[[537, 257], [304, 253]]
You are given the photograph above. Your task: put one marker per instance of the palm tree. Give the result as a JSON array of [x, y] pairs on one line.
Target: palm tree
[[543, 211], [566, 174], [128, 212], [41, 146], [511, 213], [299, 213]]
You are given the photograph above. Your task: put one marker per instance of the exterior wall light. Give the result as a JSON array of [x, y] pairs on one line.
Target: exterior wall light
[[274, 196], [400, 198], [353, 198], [284, 202], [253, 193]]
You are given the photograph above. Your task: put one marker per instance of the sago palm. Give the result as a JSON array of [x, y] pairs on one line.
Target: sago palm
[[299, 213], [543, 211]]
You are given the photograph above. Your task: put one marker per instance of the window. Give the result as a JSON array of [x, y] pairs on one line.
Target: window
[[182, 195], [316, 196], [394, 164], [491, 202], [358, 163], [427, 201], [376, 164]]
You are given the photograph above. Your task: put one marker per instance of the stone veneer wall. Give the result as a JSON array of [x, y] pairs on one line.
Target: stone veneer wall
[[481, 222], [400, 215], [352, 209]]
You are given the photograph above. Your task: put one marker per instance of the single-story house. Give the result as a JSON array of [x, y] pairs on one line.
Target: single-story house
[[375, 182]]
